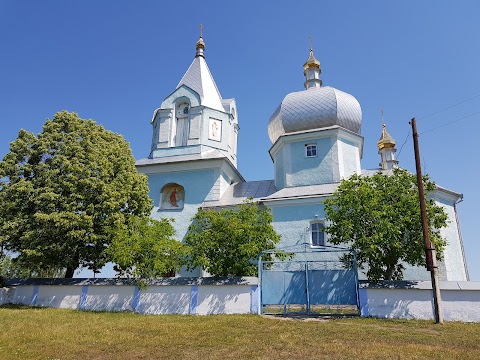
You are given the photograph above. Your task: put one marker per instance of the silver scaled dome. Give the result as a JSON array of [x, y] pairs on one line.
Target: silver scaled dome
[[314, 109]]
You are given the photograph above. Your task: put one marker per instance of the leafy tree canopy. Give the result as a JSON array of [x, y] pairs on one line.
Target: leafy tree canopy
[[12, 268], [64, 192], [227, 242], [379, 217], [146, 249]]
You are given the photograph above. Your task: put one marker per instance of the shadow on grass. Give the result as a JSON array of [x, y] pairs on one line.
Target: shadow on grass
[[20, 307], [310, 317]]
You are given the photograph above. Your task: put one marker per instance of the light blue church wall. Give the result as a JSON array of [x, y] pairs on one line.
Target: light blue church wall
[[294, 168], [454, 258], [350, 158], [197, 185], [176, 151], [293, 221], [279, 170], [217, 115], [416, 273]]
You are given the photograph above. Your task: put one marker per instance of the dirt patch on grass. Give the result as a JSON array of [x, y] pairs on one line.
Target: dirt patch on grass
[[321, 318]]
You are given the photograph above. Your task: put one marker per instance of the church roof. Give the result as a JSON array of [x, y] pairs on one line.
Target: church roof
[[265, 191], [206, 155], [199, 79], [296, 192], [237, 193], [315, 108]]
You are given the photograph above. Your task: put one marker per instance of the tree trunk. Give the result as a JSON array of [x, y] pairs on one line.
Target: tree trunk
[[69, 273], [389, 272]]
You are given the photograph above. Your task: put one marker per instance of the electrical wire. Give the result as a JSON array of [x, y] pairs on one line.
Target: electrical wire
[[390, 171], [448, 123], [449, 107], [401, 148]]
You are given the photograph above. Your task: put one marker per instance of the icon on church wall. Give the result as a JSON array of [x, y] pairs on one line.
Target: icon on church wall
[[215, 130], [173, 197]]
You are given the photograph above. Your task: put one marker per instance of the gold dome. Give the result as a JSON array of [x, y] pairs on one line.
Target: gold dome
[[311, 62], [200, 44], [386, 140]]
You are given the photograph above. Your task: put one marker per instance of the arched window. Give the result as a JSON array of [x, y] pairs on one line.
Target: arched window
[[181, 124], [317, 234], [172, 197]]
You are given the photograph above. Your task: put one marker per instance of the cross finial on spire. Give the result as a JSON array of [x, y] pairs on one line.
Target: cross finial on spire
[[311, 69], [383, 120], [200, 44]]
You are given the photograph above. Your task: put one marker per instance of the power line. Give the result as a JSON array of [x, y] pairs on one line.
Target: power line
[[408, 135], [450, 122], [400, 151], [449, 107], [440, 126]]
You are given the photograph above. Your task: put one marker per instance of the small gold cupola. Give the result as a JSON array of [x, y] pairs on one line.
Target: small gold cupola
[[386, 140], [311, 70], [200, 45], [386, 149]]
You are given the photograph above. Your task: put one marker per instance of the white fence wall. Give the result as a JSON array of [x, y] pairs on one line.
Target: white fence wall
[[413, 300], [405, 299], [165, 296]]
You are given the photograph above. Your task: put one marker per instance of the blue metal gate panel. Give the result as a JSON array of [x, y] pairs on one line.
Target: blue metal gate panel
[[283, 287], [332, 287]]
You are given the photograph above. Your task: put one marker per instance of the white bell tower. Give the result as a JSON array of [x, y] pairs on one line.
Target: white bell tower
[[386, 149], [194, 120]]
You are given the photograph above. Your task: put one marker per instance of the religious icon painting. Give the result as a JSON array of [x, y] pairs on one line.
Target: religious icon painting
[[215, 130], [173, 197]]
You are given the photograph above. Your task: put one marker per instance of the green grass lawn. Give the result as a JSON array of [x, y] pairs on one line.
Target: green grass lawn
[[40, 333]]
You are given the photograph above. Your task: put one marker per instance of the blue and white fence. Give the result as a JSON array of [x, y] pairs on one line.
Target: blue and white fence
[[202, 296], [414, 300], [199, 296]]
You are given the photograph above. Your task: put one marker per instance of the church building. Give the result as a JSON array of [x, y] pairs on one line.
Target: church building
[[316, 141]]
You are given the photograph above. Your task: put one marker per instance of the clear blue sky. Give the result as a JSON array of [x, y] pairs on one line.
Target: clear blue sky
[[115, 61]]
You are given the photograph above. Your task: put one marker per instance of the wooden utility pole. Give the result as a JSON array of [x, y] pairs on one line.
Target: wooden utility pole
[[429, 249]]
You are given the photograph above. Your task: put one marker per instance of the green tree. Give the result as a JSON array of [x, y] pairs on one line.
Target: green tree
[[379, 217], [64, 192], [10, 267], [146, 249], [228, 242]]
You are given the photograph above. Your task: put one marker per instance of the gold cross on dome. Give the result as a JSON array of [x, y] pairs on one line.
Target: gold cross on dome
[[201, 30], [310, 37]]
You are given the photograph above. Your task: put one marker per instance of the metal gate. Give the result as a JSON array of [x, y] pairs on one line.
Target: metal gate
[[312, 281]]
